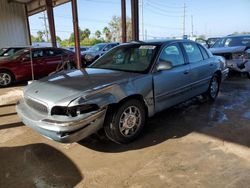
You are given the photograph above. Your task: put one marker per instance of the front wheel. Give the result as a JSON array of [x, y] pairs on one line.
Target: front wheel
[[125, 123], [213, 89], [6, 78]]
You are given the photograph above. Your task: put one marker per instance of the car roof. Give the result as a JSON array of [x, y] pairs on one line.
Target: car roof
[[159, 41], [239, 35]]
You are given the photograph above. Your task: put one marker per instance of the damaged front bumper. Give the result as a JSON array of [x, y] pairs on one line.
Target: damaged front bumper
[[67, 129], [238, 65]]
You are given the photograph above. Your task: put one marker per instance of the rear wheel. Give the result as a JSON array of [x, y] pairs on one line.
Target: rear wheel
[[213, 89], [6, 78], [124, 124]]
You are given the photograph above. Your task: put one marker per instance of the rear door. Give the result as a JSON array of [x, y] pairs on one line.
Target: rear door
[[201, 66], [171, 86], [54, 57]]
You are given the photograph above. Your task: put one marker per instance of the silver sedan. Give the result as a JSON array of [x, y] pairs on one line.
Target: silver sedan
[[120, 90]]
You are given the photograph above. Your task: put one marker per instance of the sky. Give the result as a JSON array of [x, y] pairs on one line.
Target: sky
[[161, 18]]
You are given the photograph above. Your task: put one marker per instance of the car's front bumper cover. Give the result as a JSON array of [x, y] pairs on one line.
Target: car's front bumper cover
[[71, 130], [237, 65]]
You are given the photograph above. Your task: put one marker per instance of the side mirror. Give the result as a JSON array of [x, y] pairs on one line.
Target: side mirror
[[164, 65], [105, 49]]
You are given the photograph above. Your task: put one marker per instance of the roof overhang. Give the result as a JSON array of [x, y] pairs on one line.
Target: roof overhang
[[37, 6]]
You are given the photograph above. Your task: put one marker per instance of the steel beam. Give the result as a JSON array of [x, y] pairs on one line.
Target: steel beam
[[76, 34], [135, 19], [28, 25], [50, 15], [123, 20]]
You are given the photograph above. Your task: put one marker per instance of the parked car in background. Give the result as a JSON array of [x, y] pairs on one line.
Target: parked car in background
[[120, 90], [5, 52], [211, 41], [17, 67], [236, 50], [97, 51], [82, 49], [207, 42]]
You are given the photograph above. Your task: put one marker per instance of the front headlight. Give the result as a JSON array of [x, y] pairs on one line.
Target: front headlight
[[75, 110], [89, 57]]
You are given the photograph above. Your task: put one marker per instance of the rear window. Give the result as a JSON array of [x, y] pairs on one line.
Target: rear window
[[204, 52], [193, 52]]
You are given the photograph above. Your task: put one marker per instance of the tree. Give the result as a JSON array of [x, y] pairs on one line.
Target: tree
[[115, 28], [58, 39], [85, 34], [98, 34], [40, 35], [107, 33], [72, 36]]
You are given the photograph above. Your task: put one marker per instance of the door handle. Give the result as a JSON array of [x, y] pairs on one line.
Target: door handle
[[186, 72], [211, 64]]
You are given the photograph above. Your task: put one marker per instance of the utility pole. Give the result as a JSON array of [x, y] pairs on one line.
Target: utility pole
[[184, 18], [192, 26], [142, 20], [44, 18]]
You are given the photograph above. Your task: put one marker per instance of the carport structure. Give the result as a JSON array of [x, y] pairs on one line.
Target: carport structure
[[36, 6]]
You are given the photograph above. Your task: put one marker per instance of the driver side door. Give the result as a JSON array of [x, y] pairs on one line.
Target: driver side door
[[171, 86]]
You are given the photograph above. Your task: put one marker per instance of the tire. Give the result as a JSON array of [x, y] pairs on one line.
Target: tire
[[125, 123], [6, 78], [213, 89], [248, 75]]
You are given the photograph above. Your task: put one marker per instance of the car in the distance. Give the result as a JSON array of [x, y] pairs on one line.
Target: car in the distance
[[236, 50], [82, 49], [18, 67], [97, 51], [120, 90]]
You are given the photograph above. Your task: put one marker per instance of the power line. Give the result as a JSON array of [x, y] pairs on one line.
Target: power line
[[163, 8], [161, 4], [160, 13]]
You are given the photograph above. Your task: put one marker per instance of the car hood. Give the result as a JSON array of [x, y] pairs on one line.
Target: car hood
[[233, 49], [64, 87], [93, 53]]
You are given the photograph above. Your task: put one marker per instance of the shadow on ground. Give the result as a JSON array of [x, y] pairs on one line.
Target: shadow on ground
[[226, 119], [36, 165]]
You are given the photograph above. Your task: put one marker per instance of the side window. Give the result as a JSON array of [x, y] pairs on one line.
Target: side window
[[193, 52], [38, 54], [53, 53], [204, 52], [108, 47], [172, 54]]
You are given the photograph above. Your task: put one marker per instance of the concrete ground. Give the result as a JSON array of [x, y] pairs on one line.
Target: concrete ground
[[195, 144]]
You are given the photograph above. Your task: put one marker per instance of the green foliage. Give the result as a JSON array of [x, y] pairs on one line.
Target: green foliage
[[112, 32], [98, 34]]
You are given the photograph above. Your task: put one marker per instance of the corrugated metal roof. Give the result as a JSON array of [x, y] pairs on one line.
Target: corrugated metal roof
[[36, 6]]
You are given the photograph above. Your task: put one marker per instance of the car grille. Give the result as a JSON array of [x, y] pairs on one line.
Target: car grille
[[36, 106]]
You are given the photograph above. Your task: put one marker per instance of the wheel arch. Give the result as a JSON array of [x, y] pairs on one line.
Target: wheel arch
[[9, 71], [138, 97]]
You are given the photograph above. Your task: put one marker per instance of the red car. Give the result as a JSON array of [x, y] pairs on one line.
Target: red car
[[45, 60]]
